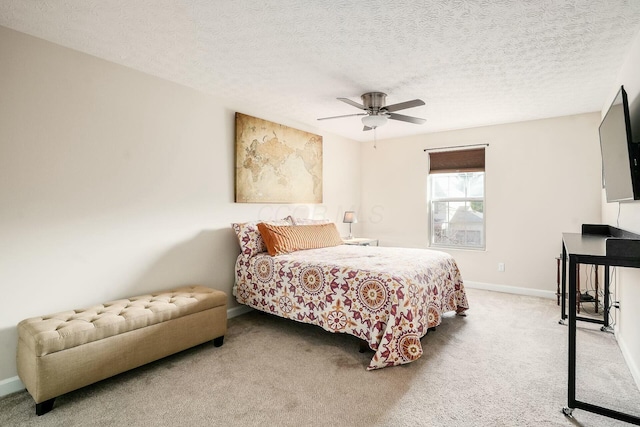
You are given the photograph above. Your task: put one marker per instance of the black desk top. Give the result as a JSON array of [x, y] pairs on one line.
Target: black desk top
[[585, 244], [603, 245]]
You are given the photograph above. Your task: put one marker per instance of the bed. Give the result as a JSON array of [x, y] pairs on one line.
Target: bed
[[388, 297]]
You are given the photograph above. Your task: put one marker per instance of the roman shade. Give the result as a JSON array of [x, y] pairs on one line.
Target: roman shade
[[471, 160]]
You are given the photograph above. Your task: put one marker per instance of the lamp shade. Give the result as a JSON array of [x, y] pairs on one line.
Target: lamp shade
[[350, 217], [374, 121]]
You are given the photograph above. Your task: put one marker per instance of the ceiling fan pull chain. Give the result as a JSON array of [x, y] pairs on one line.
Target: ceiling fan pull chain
[[375, 138]]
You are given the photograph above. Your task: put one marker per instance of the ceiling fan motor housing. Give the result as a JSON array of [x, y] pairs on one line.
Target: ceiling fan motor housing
[[374, 101]]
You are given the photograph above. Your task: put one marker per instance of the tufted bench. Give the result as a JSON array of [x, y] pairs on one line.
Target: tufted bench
[[62, 352]]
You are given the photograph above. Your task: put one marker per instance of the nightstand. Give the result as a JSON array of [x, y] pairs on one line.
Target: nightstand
[[360, 241]]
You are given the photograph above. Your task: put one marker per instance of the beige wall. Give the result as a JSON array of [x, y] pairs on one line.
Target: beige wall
[[627, 216], [115, 183], [542, 179]]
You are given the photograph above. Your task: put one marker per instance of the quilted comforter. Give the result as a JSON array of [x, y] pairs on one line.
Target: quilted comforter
[[388, 297]]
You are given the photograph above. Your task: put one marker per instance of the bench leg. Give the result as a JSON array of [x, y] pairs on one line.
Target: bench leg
[[217, 342], [44, 407]]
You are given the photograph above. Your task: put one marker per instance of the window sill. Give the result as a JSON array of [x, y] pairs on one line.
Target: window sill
[[457, 248]]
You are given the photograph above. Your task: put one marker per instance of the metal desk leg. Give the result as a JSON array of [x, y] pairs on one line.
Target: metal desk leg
[[572, 334], [606, 297], [597, 286], [564, 284], [572, 402], [558, 279]]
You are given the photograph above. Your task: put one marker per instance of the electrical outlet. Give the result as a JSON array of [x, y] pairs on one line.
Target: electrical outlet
[[501, 266]]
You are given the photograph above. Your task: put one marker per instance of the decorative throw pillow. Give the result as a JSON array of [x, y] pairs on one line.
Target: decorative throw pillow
[[307, 221], [249, 237], [283, 240]]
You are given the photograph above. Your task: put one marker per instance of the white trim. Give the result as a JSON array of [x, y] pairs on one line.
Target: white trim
[[510, 289], [628, 357], [10, 385], [237, 311]]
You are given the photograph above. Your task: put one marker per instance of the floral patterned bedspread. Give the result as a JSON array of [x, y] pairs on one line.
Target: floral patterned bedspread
[[388, 297]]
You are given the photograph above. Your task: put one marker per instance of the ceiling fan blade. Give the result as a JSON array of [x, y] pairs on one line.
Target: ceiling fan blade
[[350, 102], [339, 117], [404, 105], [404, 118]]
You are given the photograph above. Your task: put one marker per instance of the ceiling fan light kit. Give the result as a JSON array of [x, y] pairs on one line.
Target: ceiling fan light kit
[[374, 121], [376, 112]]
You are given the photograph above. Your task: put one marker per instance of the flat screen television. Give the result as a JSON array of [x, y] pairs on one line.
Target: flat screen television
[[620, 171]]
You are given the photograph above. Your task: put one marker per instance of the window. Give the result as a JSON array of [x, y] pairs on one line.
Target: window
[[456, 199]]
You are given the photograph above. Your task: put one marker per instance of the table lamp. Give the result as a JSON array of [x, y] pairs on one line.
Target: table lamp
[[350, 218]]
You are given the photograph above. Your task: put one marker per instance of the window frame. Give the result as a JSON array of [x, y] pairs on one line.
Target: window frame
[[431, 200]]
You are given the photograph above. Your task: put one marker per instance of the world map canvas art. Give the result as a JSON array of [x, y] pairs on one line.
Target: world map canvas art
[[276, 163]]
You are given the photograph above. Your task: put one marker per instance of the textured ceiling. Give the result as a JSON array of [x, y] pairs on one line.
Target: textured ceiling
[[474, 62]]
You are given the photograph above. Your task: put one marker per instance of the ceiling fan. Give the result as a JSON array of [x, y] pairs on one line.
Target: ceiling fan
[[377, 113]]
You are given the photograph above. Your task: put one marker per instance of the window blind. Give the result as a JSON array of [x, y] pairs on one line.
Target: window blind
[[471, 160]]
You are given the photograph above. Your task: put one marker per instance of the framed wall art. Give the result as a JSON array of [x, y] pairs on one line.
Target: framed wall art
[[276, 163]]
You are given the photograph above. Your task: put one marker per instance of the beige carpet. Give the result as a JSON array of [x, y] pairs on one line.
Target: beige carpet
[[503, 365]]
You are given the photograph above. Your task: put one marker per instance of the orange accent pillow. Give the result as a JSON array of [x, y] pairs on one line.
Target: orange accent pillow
[[285, 239]]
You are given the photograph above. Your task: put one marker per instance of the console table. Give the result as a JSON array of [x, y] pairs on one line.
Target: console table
[[597, 245]]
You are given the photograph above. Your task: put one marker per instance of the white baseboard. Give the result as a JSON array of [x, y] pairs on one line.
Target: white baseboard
[[635, 369], [10, 385], [237, 311], [510, 289]]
